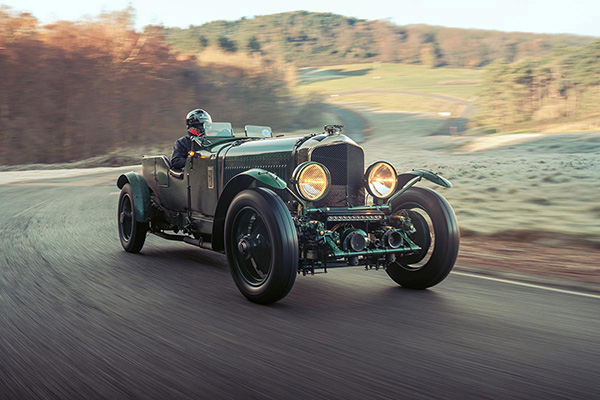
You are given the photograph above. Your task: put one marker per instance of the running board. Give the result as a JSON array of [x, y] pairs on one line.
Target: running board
[[169, 236], [186, 239]]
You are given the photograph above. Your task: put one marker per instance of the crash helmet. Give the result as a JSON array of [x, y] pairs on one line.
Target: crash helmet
[[195, 120]]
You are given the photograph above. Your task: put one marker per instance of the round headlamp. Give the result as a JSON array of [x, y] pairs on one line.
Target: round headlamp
[[312, 180], [381, 180]]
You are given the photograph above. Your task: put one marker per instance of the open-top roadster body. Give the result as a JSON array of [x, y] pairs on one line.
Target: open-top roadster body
[[283, 206]]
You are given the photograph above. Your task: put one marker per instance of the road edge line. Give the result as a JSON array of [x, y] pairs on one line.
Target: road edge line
[[525, 284]]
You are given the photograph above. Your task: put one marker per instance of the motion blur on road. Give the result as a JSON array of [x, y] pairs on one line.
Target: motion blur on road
[[83, 319]]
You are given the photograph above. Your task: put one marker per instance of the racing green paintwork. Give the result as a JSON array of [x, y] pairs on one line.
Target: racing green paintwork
[[266, 177], [433, 177], [141, 194], [241, 196], [234, 186], [221, 167]]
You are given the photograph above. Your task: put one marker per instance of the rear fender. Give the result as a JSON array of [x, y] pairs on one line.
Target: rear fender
[[141, 195], [235, 185]]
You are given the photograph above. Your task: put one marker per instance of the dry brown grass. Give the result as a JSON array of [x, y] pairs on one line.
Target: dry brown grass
[[565, 261]]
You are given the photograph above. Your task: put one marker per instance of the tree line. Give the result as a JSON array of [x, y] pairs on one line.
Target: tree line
[[73, 90], [309, 39], [565, 84]]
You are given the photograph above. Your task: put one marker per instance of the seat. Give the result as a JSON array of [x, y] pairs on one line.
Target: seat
[[173, 172], [166, 159]]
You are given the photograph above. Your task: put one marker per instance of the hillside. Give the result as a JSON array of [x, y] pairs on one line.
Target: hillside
[[393, 87], [309, 39]]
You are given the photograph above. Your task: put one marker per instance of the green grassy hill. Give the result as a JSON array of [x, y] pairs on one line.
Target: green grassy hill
[[308, 39], [393, 87]]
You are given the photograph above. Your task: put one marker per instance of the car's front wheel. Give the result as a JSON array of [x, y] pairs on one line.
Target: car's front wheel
[[436, 232], [131, 232], [261, 244]]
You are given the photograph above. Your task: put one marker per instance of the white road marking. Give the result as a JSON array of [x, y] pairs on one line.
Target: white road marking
[[531, 285], [114, 193]]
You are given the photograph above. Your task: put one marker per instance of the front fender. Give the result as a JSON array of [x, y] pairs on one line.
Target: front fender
[[141, 195], [235, 185], [406, 177]]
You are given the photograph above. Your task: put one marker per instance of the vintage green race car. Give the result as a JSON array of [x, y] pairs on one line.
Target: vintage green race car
[[283, 206]]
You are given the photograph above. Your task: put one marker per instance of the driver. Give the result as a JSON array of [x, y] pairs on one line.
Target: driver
[[195, 126]]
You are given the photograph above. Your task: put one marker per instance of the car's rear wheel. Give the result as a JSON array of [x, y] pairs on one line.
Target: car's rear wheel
[[261, 244], [436, 232], [131, 232]]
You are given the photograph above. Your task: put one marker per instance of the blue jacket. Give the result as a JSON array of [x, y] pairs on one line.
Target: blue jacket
[[181, 149]]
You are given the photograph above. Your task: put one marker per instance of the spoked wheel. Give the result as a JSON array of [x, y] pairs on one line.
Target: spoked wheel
[[131, 232], [436, 232], [261, 245]]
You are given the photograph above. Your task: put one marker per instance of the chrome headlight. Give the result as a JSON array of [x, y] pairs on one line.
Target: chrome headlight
[[381, 180], [312, 180]]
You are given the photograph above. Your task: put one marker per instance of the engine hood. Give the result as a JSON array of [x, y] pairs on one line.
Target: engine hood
[[340, 154], [302, 145]]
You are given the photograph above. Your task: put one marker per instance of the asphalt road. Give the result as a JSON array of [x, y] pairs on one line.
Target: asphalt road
[[82, 319]]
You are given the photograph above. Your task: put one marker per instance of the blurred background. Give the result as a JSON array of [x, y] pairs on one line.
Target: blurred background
[[499, 97], [510, 117]]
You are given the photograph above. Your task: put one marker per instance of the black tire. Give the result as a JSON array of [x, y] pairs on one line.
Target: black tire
[[131, 232], [261, 244], [437, 258]]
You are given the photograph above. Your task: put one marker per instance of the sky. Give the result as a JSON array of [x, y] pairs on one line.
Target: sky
[[541, 16]]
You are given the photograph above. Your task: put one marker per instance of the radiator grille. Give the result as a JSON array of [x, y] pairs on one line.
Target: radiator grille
[[346, 163]]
